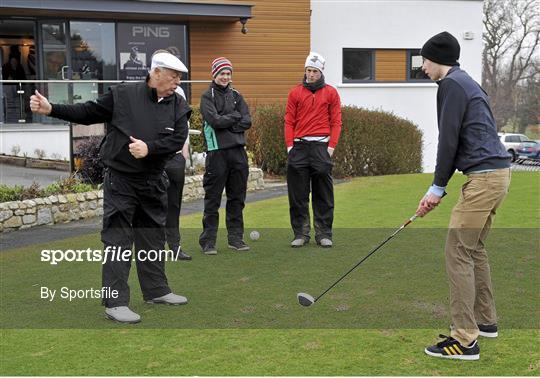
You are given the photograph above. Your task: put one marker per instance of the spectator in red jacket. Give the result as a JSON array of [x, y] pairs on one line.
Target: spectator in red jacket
[[312, 129]]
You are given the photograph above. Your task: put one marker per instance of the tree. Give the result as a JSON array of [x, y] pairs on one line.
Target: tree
[[511, 63]]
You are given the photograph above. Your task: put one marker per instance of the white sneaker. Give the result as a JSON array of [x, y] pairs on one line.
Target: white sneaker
[[297, 243], [171, 299], [326, 243], [122, 314]]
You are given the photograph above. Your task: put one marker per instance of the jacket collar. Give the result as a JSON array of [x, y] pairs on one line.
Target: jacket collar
[[220, 88], [452, 70]]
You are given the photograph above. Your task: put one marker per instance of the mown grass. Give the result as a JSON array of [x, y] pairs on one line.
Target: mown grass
[[243, 318]]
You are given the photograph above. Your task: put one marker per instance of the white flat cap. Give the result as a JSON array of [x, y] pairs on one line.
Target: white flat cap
[[167, 60]]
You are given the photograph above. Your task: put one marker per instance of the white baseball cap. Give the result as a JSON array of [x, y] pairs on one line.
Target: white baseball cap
[[315, 60], [167, 60]]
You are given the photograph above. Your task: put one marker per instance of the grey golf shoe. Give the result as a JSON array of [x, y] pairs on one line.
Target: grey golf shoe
[[325, 243], [122, 314], [298, 243], [170, 299]]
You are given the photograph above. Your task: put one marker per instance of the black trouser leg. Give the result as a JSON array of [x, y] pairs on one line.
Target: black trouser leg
[[322, 191], [175, 170], [119, 205], [298, 186], [149, 229], [214, 179], [236, 188]]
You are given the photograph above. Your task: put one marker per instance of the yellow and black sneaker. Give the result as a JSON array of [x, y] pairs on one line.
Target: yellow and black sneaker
[[451, 348]]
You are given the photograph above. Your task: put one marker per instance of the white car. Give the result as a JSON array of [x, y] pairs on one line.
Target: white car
[[512, 142]]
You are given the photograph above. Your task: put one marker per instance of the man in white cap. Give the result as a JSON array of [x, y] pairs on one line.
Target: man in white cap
[[312, 129], [147, 124]]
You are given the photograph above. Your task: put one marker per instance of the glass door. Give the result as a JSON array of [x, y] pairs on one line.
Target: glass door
[[93, 57], [55, 58]]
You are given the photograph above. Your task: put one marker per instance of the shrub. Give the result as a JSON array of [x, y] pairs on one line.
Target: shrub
[[90, 167], [8, 193], [19, 193], [33, 191], [195, 122], [40, 154], [371, 143], [15, 150], [265, 138], [377, 143]]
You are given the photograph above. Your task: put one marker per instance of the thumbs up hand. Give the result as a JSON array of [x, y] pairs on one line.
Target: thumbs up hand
[[39, 104], [138, 148]]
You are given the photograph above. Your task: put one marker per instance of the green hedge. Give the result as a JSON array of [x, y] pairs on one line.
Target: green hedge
[[64, 186], [371, 143], [195, 122]]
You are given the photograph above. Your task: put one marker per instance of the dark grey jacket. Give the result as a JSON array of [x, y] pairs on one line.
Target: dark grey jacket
[[468, 139], [225, 117]]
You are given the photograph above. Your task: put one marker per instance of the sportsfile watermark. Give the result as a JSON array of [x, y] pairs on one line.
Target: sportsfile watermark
[[110, 253], [403, 285]]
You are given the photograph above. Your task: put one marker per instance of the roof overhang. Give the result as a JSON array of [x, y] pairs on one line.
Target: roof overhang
[[130, 8]]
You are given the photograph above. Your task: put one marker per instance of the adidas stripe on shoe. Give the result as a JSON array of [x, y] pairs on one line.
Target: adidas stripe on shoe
[[451, 348]]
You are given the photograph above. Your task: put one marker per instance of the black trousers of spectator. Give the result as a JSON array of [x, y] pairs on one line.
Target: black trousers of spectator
[[134, 211], [309, 167], [225, 169], [175, 170]]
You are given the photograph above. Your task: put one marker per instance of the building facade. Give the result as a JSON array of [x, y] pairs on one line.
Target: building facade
[[372, 47], [73, 50]]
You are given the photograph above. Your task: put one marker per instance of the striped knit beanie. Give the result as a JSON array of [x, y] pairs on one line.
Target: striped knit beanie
[[220, 64]]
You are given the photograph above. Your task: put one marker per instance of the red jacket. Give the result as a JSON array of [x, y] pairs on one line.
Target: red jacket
[[313, 114]]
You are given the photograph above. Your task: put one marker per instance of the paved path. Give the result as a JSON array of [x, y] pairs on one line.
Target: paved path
[[12, 175], [43, 234]]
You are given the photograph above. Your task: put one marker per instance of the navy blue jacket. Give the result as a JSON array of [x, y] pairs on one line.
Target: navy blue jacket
[[468, 139]]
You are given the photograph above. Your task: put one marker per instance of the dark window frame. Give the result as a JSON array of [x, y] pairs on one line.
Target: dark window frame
[[408, 79], [372, 68]]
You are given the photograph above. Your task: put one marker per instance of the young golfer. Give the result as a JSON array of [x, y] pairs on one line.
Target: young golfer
[[312, 129], [226, 117], [468, 142]]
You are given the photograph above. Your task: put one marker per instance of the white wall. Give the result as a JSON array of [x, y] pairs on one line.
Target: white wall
[[54, 140], [401, 24]]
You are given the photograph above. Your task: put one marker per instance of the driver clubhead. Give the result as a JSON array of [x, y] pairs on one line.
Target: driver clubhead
[[305, 300]]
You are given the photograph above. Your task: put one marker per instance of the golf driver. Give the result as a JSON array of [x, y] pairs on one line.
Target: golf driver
[[307, 300]]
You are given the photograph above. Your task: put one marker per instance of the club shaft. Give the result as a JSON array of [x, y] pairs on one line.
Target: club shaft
[[367, 256]]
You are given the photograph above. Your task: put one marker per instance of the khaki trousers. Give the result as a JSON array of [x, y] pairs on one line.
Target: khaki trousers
[[467, 267]]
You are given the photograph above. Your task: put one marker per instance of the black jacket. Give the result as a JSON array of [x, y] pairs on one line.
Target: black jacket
[[132, 109], [468, 139], [225, 117]]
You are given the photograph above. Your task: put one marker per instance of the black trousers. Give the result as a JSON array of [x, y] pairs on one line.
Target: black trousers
[[175, 170], [309, 168], [225, 169], [134, 212]]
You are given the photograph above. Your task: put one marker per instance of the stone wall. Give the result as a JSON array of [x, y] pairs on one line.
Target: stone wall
[[63, 208]]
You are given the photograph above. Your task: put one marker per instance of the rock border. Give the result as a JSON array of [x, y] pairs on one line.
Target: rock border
[[64, 208]]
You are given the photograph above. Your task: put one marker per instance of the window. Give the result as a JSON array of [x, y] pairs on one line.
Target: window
[[414, 66], [138, 41], [358, 65]]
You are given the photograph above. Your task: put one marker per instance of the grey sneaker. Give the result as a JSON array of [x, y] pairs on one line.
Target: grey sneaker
[[170, 299], [209, 249], [122, 314], [299, 242], [238, 245], [325, 243]]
